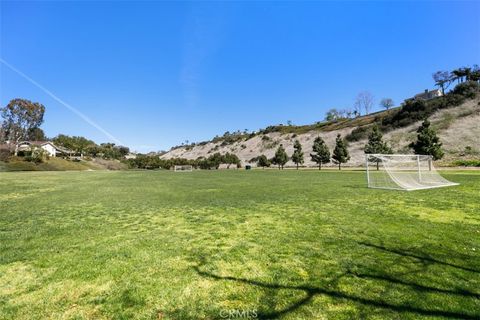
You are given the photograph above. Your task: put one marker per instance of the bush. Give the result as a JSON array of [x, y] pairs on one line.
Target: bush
[[5, 155], [358, 134], [467, 163], [467, 89], [38, 155]]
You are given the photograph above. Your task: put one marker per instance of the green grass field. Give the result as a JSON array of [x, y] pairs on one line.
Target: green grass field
[[210, 245]]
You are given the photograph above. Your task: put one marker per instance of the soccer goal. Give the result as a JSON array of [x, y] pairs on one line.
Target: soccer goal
[[403, 172], [184, 168]]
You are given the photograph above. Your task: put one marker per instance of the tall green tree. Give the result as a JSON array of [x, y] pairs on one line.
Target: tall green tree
[[340, 153], [297, 156], [262, 161], [280, 157], [36, 134], [20, 116], [428, 142], [320, 154], [375, 144]]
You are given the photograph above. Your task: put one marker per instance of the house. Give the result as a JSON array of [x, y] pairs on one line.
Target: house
[[131, 156], [427, 95], [51, 149]]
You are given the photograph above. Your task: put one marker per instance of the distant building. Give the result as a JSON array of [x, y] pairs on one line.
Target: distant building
[[131, 156], [51, 149], [427, 95]]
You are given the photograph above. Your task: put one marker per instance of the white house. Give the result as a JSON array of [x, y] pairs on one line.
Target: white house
[[51, 149], [428, 94]]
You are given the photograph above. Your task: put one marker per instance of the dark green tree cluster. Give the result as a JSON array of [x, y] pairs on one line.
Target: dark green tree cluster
[[263, 161], [154, 162], [86, 147]]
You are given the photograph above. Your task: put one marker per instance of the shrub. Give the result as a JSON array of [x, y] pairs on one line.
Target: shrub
[[467, 163], [467, 89], [358, 134], [5, 155], [38, 155]]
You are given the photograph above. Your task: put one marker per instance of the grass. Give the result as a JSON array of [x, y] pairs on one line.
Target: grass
[[203, 245]]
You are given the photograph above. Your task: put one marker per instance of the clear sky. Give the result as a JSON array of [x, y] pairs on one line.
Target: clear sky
[[154, 74]]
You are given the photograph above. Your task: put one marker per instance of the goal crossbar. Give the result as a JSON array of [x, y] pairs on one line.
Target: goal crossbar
[[403, 172]]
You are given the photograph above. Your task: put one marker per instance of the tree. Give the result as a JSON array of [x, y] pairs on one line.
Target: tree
[[386, 103], [458, 74], [320, 154], [363, 101], [2, 135], [81, 145], [340, 153], [475, 74], [297, 156], [262, 161], [442, 79], [427, 142], [332, 114], [36, 134], [375, 144], [19, 117], [280, 157]]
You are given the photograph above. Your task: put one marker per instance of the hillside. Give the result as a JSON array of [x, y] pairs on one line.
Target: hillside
[[458, 127], [58, 164]]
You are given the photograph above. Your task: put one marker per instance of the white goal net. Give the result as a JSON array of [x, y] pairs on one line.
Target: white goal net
[[403, 172], [184, 168]]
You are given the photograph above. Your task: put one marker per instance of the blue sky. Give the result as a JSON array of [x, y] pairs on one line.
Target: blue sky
[[154, 74]]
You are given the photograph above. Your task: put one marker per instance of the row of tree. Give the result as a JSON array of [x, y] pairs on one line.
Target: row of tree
[[320, 154], [155, 162], [427, 143], [443, 79], [364, 102], [22, 120], [85, 147]]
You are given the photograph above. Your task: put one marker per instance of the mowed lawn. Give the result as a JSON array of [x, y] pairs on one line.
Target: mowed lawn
[[212, 244]]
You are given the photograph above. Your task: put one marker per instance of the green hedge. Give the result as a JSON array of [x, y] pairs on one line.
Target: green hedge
[[467, 163]]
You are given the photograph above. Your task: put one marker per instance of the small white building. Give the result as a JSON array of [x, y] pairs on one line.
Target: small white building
[[428, 94]]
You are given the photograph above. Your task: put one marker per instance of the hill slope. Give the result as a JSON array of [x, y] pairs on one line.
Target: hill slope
[[458, 128]]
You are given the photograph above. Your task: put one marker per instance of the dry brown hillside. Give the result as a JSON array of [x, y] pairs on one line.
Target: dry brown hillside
[[458, 128]]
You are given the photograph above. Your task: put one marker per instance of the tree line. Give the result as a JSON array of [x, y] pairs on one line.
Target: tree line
[[206, 163], [427, 143], [320, 154], [22, 119]]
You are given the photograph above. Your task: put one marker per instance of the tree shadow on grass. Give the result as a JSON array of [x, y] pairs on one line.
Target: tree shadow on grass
[[328, 288], [422, 257]]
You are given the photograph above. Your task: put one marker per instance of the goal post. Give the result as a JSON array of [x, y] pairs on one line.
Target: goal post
[[403, 172], [183, 168]]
